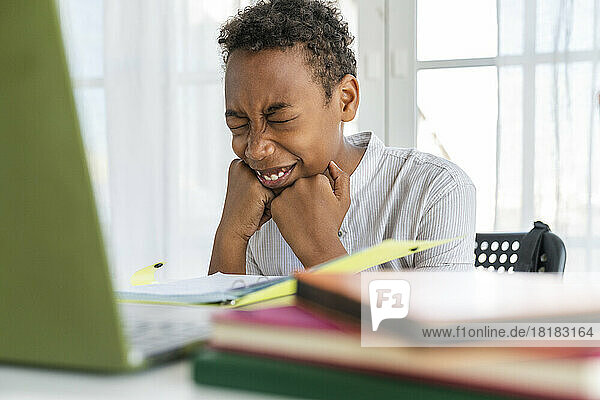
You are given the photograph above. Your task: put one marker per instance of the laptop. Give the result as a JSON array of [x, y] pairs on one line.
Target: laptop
[[57, 306]]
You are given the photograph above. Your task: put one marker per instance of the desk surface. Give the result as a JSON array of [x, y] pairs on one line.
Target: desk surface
[[171, 381]]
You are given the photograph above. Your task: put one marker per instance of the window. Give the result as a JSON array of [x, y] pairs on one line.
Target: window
[[457, 91], [508, 89]]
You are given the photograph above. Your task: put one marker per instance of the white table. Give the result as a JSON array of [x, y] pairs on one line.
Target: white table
[[170, 381]]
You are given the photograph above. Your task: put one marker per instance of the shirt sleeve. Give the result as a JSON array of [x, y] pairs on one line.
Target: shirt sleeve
[[251, 265], [453, 215]]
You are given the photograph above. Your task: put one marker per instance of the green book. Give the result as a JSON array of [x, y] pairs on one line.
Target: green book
[[261, 374]]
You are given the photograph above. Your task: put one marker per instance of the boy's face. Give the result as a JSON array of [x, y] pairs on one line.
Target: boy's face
[[281, 126]]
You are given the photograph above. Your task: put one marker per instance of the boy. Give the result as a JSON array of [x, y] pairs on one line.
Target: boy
[[301, 193]]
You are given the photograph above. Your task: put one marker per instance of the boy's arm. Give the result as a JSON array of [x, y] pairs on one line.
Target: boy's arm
[[245, 210], [228, 253], [453, 215], [309, 215]]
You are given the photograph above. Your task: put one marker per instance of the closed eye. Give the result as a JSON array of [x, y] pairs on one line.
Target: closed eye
[[283, 121]]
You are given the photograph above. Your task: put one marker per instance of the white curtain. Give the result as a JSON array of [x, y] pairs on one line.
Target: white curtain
[[157, 143], [140, 102], [168, 146], [548, 165]]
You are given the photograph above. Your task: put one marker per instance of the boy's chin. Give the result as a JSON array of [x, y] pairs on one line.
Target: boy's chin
[[280, 189]]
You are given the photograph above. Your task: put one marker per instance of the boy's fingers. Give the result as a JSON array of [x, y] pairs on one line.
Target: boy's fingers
[[341, 181], [334, 170], [268, 196]]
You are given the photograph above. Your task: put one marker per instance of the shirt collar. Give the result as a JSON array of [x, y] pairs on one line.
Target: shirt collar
[[369, 164]]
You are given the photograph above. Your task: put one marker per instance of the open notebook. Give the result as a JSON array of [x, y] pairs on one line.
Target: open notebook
[[241, 290], [216, 288]]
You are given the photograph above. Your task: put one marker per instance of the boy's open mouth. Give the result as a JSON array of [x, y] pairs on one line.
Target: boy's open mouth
[[275, 177]]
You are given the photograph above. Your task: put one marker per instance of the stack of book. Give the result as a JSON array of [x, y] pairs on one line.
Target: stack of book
[[312, 349]]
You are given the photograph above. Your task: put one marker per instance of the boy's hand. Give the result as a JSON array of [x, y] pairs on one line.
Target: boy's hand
[[246, 203], [309, 215]]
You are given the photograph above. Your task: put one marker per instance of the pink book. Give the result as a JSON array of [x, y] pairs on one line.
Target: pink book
[[288, 317]]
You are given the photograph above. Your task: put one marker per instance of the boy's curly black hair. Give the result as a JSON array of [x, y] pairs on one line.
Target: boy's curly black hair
[[314, 24]]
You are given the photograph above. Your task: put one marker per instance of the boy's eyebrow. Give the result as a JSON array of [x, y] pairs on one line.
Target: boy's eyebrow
[[269, 110], [276, 107]]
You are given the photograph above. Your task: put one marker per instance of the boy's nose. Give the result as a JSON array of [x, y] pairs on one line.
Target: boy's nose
[[259, 147]]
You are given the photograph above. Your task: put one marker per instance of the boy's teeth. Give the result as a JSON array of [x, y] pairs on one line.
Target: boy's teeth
[[274, 177]]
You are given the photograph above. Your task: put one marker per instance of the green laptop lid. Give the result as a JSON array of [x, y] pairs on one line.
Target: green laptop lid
[[56, 305]]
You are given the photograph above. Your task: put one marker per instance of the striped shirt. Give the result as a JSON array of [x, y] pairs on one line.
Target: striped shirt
[[398, 194]]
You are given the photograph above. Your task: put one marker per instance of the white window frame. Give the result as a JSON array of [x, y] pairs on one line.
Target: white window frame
[[402, 67], [386, 65]]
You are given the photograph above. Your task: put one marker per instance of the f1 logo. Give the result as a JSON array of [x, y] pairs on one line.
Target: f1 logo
[[389, 299]]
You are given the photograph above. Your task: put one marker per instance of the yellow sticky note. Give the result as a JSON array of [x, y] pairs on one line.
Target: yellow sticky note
[[146, 275], [280, 289], [387, 250], [283, 301]]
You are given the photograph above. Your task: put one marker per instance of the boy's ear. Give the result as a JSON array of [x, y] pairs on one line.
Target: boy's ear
[[349, 97]]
